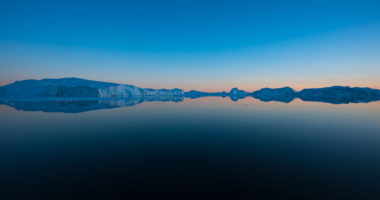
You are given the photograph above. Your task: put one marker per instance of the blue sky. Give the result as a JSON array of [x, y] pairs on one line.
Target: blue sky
[[206, 45]]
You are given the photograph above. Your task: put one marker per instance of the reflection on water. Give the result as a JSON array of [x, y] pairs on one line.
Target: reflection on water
[[210, 148], [77, 105]]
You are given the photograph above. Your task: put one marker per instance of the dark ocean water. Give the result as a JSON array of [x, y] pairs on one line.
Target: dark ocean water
[[207, 148]]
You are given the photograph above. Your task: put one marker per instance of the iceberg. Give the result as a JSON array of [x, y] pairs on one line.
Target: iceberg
[[75, 87], [340, 94], [25, 90], [193, 94], [65, 87], [236, 94], [285, 94]]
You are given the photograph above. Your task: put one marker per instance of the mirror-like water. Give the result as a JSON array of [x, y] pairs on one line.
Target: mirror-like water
[[207, 147]]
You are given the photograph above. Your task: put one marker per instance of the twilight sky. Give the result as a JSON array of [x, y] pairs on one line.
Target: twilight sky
[[193, 44]]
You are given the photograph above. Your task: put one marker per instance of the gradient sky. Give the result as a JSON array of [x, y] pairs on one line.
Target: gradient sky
[[191, 44]]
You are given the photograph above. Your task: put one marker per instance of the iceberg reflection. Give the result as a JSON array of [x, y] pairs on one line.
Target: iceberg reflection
[[332, 95], [77, 105]]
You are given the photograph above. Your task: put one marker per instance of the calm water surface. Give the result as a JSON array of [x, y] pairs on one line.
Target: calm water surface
[[201, 148]]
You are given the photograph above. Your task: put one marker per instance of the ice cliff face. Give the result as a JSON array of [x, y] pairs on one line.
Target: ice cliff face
[[121, 91], [163, 92], [130, 91]]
